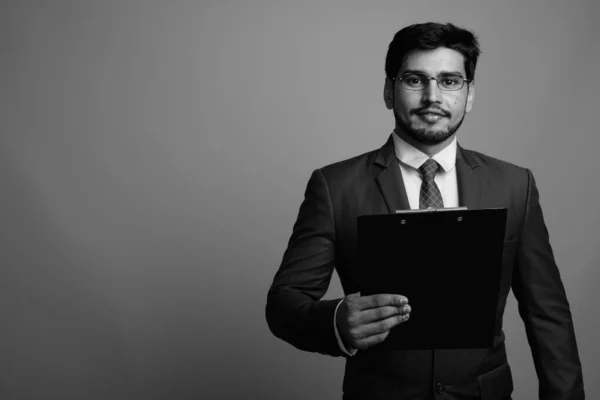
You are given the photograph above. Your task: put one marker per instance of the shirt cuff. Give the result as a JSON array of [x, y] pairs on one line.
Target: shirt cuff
[[349, 351]]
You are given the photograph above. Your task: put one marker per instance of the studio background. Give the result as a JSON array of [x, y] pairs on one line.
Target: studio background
[[153, 156]]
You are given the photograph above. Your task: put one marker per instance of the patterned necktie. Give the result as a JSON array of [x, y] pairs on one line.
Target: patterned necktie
[[430, 196]]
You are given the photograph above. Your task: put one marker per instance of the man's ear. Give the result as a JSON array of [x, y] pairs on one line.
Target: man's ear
[[470, 96], [388, 93]]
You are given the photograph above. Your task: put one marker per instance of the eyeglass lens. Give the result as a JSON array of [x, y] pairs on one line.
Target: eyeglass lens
[[414, 81]]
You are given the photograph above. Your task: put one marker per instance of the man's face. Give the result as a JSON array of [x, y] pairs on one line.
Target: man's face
[[431, 115]]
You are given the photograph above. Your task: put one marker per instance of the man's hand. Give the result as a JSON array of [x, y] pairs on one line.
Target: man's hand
[[367, 321]]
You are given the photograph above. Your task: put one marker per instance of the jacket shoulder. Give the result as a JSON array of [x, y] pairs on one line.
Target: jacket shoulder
[[350, 167], [495, 165]]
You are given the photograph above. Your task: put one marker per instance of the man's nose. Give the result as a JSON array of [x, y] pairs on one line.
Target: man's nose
[[432, 92]]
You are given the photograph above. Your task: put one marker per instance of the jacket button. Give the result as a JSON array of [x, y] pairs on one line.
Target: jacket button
[[440, 389]]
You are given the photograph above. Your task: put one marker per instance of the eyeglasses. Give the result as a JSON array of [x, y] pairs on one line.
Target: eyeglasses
[[446, 82]]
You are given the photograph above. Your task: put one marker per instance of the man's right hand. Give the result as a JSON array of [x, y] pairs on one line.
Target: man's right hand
[[367, 321]]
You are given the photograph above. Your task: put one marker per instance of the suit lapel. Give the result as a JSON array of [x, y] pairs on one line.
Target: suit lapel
[[470, 180], [389, 178], [390, 182]]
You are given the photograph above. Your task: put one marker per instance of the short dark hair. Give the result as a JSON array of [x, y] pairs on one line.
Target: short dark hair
[[430, 36]]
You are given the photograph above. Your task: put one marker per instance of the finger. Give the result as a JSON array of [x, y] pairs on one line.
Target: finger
[[381, 300], [384, 325], [377, 314], [370, 341]]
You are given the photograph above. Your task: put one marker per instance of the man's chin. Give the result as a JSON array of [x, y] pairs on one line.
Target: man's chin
[[429, 136]]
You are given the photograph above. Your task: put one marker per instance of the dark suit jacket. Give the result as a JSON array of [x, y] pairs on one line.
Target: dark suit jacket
[[324, 237]]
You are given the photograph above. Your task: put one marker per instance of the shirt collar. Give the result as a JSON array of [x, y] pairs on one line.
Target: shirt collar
[[410, 155]]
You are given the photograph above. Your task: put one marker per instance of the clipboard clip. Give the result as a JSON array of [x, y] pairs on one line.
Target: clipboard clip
[[424, 210]]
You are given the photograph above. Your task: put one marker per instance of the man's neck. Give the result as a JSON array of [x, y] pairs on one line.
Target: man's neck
[[429, 149]]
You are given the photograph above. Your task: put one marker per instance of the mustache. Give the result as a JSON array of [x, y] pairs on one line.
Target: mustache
[[430, 108]]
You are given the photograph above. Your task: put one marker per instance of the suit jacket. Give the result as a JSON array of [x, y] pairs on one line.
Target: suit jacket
[[324, 238]]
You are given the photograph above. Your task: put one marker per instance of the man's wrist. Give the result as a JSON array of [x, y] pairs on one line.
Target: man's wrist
[[348, 350]]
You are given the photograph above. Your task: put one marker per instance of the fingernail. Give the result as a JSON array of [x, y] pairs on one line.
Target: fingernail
[[405, 316]]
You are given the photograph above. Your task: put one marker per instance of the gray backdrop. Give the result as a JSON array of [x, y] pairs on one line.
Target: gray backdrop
[[153, 156]]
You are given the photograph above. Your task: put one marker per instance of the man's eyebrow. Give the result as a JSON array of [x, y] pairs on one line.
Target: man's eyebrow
[[418, 71]]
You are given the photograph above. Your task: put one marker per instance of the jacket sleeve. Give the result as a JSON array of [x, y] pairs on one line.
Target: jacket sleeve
[[544, 308], [295, 312]]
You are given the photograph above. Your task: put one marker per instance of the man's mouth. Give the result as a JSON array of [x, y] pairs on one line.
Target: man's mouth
[[431, 115], [431, 112]]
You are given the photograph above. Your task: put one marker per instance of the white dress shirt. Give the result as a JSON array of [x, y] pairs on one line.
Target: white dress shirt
[[409, 161]]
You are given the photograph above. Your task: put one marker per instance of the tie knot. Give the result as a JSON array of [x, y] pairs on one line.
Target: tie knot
[[429, 168]]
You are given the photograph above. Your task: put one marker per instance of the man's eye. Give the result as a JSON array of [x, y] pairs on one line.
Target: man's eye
[[450, 81]]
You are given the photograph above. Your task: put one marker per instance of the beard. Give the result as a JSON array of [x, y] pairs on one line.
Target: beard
[[429, 136]]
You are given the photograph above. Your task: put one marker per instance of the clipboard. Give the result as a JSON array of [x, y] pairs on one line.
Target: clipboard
[[447, 262]]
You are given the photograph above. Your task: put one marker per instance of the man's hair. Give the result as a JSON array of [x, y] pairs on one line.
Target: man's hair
[[430, 36]]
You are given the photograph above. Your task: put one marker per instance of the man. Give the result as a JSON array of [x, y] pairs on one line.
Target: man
[[430, 87]]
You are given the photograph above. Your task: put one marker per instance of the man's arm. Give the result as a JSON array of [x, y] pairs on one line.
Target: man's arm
[[295, 312], [544, 308]]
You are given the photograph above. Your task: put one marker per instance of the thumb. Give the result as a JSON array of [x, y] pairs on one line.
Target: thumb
[[353, 295]]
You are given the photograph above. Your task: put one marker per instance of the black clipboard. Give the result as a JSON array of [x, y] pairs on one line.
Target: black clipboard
[[448, 263]]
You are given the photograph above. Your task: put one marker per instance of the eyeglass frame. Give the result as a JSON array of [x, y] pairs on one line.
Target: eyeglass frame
[[430, 78]]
